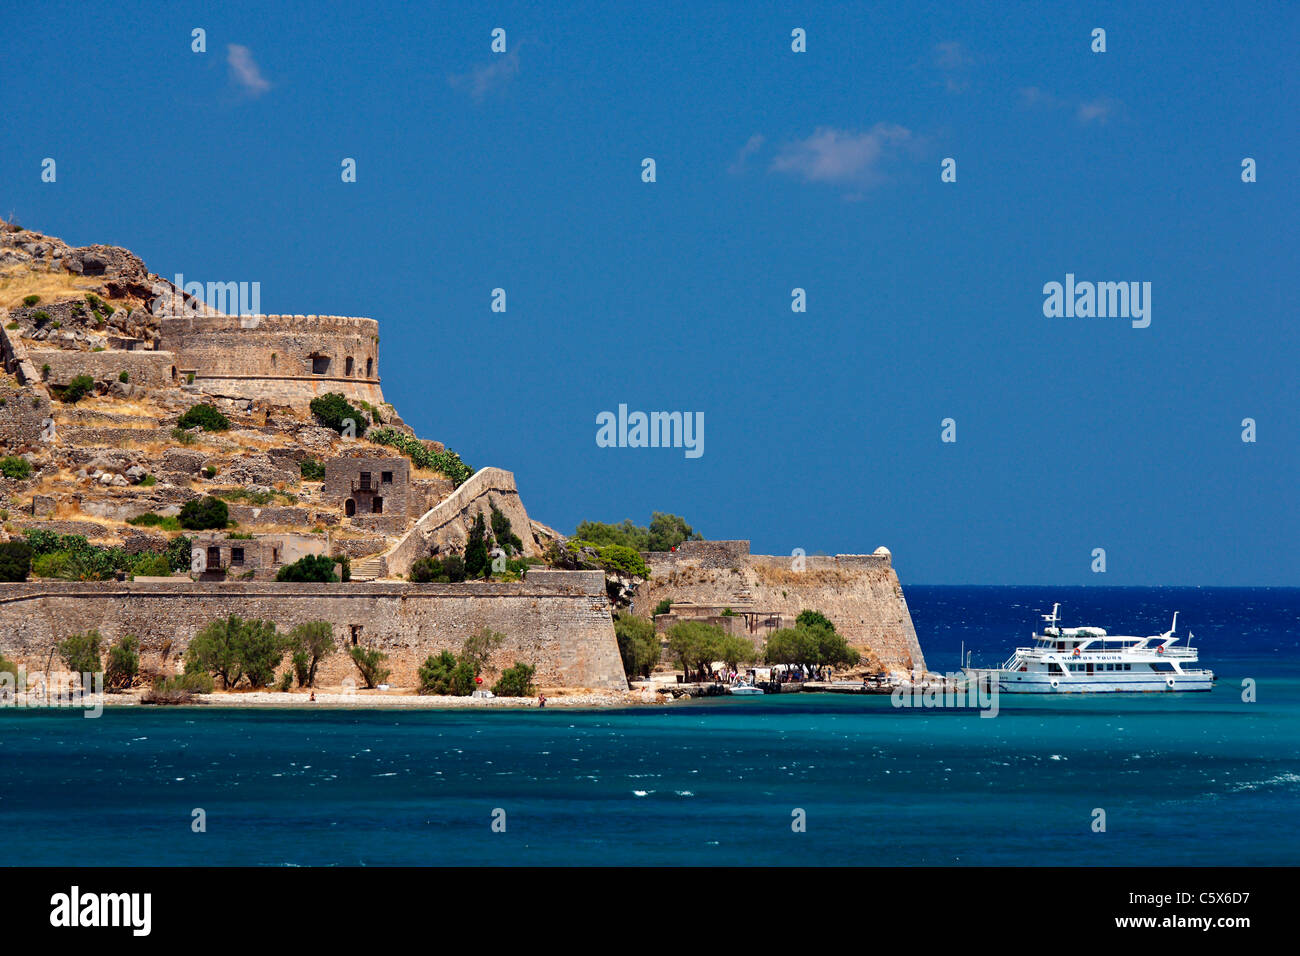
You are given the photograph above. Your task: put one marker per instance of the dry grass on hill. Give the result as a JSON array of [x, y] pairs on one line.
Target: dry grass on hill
[[50, 286]]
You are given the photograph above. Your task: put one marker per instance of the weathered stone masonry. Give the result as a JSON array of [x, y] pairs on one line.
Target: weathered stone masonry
[[558, 621], [859, 592], [287, 358]]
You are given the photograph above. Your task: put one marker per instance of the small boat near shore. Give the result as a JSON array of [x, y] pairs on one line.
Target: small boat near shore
[[1067, 660], [744, 690]]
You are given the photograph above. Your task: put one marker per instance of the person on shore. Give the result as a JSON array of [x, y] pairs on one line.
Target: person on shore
[[541, 700], [313, 697]]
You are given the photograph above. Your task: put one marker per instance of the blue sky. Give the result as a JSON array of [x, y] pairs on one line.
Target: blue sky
[[775, 170]]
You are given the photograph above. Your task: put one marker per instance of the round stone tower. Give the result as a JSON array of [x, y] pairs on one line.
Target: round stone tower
[[289, 359]]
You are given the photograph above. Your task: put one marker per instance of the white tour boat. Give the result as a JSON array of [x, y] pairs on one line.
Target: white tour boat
[[1088, 660]]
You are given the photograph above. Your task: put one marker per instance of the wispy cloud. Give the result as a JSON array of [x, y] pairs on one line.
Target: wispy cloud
[[752, 146], [1097, 110], [842, 157], [244, 71], [953, 62], [482, 80]]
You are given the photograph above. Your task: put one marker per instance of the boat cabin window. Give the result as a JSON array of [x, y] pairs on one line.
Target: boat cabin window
[[1053, 668], [1162, 667]]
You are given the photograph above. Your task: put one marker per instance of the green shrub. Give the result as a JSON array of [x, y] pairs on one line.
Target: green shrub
[[148, 481], [77, 389], [206, 417], [503, 534], [516, 681], [610, 558], [210, 472], [309, 643], [664, 606], [8, 669], [151, 520], [204, 514], [153, 566], [178, 689], [182, 436], [232, 649], [40, 316], [666, 532], [286, 682], [333, 411], [638, 645], [123, 376], [370, 664], [15, 560], [15, 466], [179, 553], [123, 663], [311, 470], [435, 673], [260, 651], [12, 325], [312, 567], [31, 299], [447, 462], [477, 561], [80, 654]]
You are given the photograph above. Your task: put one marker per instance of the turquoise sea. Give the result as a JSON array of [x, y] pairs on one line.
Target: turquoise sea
[[1204, 779]]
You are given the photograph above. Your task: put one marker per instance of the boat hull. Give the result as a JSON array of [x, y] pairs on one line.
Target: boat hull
[[1021, 683]]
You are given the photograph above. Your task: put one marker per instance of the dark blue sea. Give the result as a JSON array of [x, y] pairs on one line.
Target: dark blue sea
[[1204, 779]]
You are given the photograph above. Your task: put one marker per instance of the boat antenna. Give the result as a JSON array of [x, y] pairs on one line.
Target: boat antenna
[[1052, 618]]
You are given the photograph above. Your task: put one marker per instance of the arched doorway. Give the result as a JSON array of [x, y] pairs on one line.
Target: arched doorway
[[350, 507]]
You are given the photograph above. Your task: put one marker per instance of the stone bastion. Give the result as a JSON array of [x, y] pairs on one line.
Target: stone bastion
[[286, 358], [860, 593]]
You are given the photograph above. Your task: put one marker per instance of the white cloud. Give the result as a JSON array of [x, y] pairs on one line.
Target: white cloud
[[839, 156], [1095, 111], [752, 146], [244, 70], [951, 59], [483, 80]]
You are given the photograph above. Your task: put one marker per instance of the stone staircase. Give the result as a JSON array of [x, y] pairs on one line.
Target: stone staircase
[[368, 569]]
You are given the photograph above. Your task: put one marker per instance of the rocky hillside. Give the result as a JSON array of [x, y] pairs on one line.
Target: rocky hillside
[[97, 460]]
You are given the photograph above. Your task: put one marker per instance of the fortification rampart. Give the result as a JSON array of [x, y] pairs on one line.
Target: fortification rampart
[[860, 593], [446, 525], [288, 358], [142, 366], [558, 621]]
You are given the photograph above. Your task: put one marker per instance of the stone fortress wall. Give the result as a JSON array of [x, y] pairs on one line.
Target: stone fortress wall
[[447, 524], [860, 593], [558, 621], [283, 358], [142, 366]]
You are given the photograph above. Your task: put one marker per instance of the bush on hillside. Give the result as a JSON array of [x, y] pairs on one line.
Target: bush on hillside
[[204, 514], [206, 417]]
